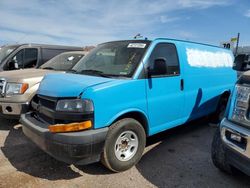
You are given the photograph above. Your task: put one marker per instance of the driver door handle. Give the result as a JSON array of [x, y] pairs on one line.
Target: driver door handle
[[182, 84]]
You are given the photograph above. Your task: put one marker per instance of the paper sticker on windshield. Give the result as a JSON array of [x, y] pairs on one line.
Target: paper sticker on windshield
[[123, 73], [71, 58], [136, 45]]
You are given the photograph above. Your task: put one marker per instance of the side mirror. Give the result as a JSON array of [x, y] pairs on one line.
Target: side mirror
[[12, 65], [16, 65], [159, 67]]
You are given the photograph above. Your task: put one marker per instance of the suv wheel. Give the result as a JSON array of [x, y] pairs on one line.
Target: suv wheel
[[218, 153]]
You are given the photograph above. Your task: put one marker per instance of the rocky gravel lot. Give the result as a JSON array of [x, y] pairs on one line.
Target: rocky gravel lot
[[176, 158]]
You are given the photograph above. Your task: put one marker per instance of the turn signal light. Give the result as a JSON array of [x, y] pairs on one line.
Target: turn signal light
[[24, 87], [71, 127]]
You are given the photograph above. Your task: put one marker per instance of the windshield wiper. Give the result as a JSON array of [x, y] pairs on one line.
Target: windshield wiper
[[94, 72], [117, 75], [71, 71], [48, 68]]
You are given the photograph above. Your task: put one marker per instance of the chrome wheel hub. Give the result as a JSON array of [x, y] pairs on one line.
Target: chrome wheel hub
[[126, 145]]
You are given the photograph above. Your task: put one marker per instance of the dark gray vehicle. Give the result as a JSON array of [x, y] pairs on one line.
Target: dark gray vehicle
[[231, 143], [18, 87], [21, 56]]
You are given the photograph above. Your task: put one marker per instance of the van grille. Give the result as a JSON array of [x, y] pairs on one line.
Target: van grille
[[2, 87], [44, 110], [47, 102]]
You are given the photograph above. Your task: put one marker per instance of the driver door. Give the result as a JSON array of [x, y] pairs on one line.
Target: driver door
[[165, 92]]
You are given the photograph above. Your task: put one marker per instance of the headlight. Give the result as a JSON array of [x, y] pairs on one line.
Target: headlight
[[75, 105], [241, 104], [242, 93], [16, 88]]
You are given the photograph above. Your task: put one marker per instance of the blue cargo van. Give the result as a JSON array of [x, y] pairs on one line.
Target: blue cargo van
[[123, 92]]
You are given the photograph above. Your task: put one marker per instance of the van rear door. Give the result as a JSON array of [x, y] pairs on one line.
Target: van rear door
[[165, 92]]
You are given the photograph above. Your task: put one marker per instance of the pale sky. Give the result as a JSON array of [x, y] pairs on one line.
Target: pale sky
[[89, 22]]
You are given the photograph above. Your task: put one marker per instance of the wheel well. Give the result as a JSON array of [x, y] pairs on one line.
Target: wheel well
[[225, 94], [137, 116]]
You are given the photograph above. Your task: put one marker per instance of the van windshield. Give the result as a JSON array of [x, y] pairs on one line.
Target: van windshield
[[5, 51], [113, 59], [63, 62]]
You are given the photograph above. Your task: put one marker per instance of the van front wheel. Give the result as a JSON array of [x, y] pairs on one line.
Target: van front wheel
[[124, 145]]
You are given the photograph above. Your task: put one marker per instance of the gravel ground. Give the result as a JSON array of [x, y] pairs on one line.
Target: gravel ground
[[176, 158]]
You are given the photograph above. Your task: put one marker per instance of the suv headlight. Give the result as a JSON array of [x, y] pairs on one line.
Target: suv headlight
[[75, 105], [241, 104], [16, 88]]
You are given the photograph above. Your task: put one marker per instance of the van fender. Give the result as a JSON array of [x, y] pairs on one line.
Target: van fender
[[128, 111]]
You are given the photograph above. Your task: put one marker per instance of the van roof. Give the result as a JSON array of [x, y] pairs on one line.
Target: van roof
[[179, 40]]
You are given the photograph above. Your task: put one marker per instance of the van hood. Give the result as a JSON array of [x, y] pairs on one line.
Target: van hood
[[68, 85], [23, 75]]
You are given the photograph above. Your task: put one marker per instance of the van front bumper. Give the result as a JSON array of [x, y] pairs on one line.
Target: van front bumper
[[13, 110], [78, 148], [237, 152]]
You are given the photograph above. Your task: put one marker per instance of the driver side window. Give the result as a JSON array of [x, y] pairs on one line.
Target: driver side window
[[25, 58], [168, 52], [30, 58]]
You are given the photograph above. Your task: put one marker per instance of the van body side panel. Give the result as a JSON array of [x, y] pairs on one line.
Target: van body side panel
[[113, 99], [205, 83], [208, 75]]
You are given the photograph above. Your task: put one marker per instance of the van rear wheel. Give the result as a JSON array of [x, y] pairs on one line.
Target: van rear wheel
[[124, 145]]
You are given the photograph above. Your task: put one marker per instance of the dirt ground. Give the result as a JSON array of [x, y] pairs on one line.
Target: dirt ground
[[176, 158]]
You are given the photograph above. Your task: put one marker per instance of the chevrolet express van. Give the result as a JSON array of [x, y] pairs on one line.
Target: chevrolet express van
[[18, 87], [21, 56], [231, 143], [121, 93]]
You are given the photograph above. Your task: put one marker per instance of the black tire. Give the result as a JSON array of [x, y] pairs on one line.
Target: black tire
[[218, 154], [218, 115], [109, 158]]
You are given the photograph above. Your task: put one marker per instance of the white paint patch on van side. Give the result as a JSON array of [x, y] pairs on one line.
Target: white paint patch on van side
[[199, 58]]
